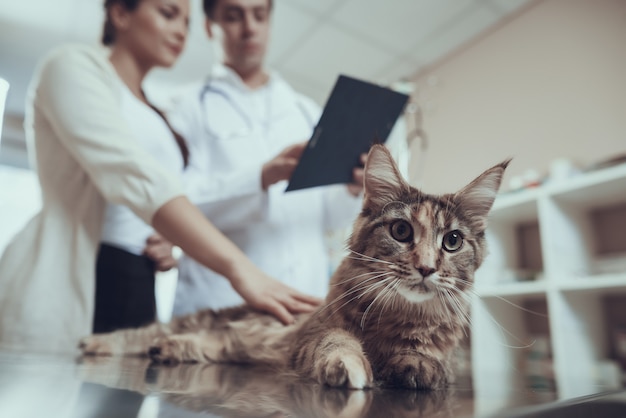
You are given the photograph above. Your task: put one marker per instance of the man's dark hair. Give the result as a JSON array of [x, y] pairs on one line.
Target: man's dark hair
[[209, 7]]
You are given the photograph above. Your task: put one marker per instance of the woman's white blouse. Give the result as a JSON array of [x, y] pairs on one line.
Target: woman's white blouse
[[86, 155], [122, 227]]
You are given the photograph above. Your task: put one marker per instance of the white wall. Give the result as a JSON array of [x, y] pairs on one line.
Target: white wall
[[549, 83]]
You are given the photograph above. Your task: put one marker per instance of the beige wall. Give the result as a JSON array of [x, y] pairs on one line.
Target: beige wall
[[549, 83]]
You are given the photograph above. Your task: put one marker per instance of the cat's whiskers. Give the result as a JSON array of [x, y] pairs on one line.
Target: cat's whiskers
[[373, 286], [381, 293], [475, 292], [358, 276], [364, 257], [459, 310], [389, 297], [500, 327], [363, 286], [503, 329], [452, 294], [443, 299], [363, 290]]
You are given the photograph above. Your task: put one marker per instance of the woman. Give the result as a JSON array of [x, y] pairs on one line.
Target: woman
[[87, 155], [125, 271]]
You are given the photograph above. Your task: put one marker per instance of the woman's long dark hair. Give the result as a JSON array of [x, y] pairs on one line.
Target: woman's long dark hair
[[182, 144], [108, 38], [108, 32]]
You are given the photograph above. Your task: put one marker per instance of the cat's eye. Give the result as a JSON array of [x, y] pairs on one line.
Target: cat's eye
[[452, 241], [401, 231]]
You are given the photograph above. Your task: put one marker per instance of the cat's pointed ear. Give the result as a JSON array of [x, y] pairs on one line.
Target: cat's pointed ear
[[476, 198], [382, 179]]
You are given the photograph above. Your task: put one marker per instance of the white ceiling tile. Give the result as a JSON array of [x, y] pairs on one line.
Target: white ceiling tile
[[330, 52], [50, 15], [507, 6], [87, 21], [454, 35], [316, 6], [400, 69], [397, 25], [289, 25], [319, 93], [312, 40]]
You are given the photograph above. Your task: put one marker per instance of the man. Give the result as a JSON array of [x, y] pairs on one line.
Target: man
[[246, 130]]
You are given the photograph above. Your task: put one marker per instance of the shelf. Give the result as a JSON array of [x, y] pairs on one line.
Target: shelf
[[574, 232], [596, 283], [599, 283], [517, 206], [530, 288], [507, 333], [600, 188]]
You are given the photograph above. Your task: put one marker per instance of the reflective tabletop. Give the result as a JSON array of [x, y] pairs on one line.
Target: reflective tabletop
[[63, 386]]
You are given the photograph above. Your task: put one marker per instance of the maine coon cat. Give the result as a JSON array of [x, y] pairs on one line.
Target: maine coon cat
[[397, 307]]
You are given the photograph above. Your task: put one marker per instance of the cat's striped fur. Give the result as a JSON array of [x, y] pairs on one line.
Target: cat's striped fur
[[397, 308]]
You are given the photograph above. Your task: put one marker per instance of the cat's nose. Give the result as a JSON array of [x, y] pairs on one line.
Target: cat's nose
[[425, 271]]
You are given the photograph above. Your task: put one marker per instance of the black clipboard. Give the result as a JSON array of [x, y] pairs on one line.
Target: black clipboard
[[357, 115]]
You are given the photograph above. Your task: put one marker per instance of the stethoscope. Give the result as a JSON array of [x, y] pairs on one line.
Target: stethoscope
[[210, 88]]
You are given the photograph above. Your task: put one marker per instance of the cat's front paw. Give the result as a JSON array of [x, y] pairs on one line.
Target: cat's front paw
[[348, 370], [166, 351], [174, 350], [423, 378], [418, 372]]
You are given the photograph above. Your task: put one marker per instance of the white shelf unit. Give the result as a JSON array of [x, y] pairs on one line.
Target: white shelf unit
[[568, 240]]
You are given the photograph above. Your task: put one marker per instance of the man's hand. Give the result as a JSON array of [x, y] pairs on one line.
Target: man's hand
[[356, 187], [159, 250], [281, 167]]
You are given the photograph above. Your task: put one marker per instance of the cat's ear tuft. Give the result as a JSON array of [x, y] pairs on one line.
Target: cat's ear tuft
[[383, 181], [476, 199]]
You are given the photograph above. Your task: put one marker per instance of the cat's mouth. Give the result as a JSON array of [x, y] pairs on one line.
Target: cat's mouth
[[419, 291], [419, 287]]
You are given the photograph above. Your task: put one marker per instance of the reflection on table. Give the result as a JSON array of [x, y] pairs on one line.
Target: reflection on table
[[54, 386]]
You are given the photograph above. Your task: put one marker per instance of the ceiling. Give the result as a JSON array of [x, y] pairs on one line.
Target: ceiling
[[312, 40]]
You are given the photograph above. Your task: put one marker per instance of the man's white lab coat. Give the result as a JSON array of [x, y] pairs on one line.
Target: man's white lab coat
[[232, 131]]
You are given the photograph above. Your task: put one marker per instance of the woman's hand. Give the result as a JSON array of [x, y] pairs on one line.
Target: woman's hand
[[267, 294], [159, 250], [183, 224]]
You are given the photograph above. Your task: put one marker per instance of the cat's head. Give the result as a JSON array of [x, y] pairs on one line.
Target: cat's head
[[416, 247]]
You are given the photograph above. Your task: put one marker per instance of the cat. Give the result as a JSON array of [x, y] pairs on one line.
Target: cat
[[397, 308]]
